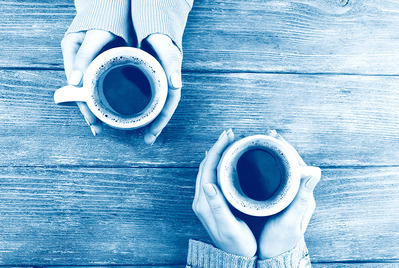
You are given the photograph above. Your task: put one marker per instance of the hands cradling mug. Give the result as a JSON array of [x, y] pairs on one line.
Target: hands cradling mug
[[124, 87], [282, 231]]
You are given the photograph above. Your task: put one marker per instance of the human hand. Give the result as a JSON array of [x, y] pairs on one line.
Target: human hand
[[227, 232], [283, 231], [171, 59], [79, 50]]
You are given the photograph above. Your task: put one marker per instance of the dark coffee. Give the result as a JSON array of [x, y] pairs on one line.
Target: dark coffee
[[260, 174], [127, 90]]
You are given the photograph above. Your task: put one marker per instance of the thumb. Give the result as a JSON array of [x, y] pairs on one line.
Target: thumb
[[304, 204], [310, 178], [218, 205]]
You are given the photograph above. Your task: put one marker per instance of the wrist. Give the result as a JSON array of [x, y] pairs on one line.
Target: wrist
[[291, 258]]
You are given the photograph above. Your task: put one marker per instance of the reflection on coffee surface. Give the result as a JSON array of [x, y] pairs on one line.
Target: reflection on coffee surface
[[127, 90], [260, 174]]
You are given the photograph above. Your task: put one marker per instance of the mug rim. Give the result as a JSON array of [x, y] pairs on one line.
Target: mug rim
[[227, 176], [141, 60]]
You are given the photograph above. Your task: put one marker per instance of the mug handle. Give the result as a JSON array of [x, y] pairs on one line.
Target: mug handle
[[69, 94]]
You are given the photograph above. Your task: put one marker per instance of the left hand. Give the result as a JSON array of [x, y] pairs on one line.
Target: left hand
[[227, 232], [171, 60], [283, 231]]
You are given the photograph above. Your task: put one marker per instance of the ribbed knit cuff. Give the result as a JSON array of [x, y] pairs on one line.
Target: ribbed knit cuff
[[108, 15], [202, 255], [167, 17], [296, 257]]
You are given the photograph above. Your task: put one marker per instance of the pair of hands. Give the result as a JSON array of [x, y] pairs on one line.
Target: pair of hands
[[79, 50], [279, 234]]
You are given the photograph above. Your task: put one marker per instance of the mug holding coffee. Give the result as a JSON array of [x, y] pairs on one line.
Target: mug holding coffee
[[259, 175], [124, 87]]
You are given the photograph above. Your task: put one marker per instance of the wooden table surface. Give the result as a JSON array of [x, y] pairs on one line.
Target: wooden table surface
[[324, 73]]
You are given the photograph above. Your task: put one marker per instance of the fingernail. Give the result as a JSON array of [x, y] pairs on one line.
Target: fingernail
[[229, 131], [93, 130], [312, 182], [159, 133], [175, 80], [87, 121], [272, 132], [75, 78], [155, 137], [206, 153], [210, 190], [222, 135]]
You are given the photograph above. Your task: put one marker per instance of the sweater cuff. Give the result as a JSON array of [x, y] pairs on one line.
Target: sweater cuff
[[296, 257], [202, 255], [167, 17], [112, 16]]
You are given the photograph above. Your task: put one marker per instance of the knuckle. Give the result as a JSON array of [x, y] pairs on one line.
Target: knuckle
[[216, 208], [194, 207], [312, 204], [65, 42], [197, 208], [303, 200]]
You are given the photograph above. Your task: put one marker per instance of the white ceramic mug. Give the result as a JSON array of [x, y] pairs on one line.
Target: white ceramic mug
[[132, 73], [231, 184]]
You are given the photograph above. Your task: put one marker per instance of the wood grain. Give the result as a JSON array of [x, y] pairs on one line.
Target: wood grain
[[358, 264], [138, 216], [323, 73], [308, 36], [331, 120]]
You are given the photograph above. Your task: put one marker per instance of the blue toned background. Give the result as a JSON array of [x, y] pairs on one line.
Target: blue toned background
[[324, 73]]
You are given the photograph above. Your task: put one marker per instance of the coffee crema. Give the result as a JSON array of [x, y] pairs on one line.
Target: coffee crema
[[260, 173], [126, 90]]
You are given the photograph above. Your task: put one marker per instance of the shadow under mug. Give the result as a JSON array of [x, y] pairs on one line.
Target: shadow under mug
[[124, 87], [259, 175]]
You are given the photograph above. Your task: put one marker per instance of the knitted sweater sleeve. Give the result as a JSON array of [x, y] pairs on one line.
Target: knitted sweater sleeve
[[298, 257], [108, 15], [202, 255], [167, 17]]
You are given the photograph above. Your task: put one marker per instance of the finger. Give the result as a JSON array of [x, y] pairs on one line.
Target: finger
[[223, 217], [304, 198], [274, 134], [164, 117], [213, 157], [198, 183], [93, 43], [169, 57], [70, 45], [94, 123]]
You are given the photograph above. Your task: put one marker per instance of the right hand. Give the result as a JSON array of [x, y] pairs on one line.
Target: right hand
[[283, 231], [227, 232], [79, 50]]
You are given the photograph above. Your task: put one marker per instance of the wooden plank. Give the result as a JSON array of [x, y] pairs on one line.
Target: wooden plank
[[357, 213], [138, 216], [269, 36], [358, 264], [338, 36], [318, 265], [331, 120]]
